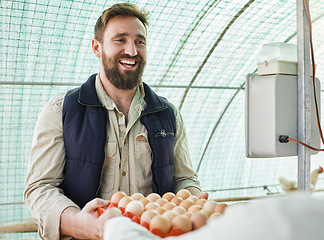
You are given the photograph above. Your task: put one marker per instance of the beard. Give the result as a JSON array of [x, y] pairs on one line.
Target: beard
[[126, 80]]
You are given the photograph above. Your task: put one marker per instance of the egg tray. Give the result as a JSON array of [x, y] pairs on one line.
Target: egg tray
[[173, 232]]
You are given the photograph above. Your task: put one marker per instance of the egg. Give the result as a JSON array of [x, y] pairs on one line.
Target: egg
[[201, 202], [193, 198], [170, 214], [215, 215], [160, 210], [183, 193], [162, 223], [182, 222], [145, 200], [177, 200], [124, 201], [153, 196], [137, 196], [210, 204], [186, 203], [108, 214], [169, 205], [194, 208], [179, 209], [188, 214], [198, 219], [220, 207], [207, 211], [111, 213], [147, 216], [152, 205], [161, 201], [168, 196], [115, 198], [135, 207]]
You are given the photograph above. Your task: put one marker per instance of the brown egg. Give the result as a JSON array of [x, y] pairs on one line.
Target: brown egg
[[179, 209], [162, 223], [177, 200], [145, 200], [193, 198], [111, 213], [137, 196], [194, 208], [220, 207], [152, 205], [215, 215], [207, 211], [153, 196], [201, 202], [182, 222], [160, 210], [186, 203], [108, 214], [183, 193], [170, 214], [169, 205], [124, 201], [161, 201], [115, 198], [148, 215], [135, 207], [188, 214], [198, 219], [168, 196], [210, 204]]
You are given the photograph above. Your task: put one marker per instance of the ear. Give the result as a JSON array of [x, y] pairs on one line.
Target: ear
[[96, 48]]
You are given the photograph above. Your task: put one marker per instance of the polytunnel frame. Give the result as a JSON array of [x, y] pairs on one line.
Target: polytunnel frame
[[238, 89], [190, 86]]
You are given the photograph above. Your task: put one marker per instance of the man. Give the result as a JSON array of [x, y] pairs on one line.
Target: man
[[111, 134]]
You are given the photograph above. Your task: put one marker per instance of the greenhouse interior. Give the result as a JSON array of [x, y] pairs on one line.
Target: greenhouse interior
[[199, 57]]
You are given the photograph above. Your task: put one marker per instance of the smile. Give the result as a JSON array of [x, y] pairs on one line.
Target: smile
[[128, 63]]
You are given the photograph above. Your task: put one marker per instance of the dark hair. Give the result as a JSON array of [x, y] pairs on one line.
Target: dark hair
[[119, 9]]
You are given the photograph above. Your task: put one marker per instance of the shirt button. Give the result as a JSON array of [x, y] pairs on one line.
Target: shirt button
[[123, 174], [120, 115]]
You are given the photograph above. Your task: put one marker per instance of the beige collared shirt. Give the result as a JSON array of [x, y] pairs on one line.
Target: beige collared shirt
[[127, 165]]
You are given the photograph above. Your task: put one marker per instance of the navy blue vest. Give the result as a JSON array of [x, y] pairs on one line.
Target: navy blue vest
[[85, 136]]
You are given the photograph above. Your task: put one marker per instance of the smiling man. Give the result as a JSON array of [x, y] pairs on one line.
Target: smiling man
[[111, 134]]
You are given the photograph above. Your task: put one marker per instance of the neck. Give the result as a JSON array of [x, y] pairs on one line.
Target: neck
[[123, 98]]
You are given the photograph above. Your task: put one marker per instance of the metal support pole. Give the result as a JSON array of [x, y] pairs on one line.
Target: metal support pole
[[304, 90]]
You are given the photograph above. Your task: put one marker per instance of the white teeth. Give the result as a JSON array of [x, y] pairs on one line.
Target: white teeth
[[128, 62]]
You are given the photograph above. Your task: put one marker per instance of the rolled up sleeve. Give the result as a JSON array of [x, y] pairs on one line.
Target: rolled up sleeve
[[45, 173]]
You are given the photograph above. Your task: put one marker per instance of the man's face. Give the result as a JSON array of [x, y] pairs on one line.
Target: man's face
[[124, 51]]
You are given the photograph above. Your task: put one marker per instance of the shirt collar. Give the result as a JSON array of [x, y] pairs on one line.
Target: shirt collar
[[138, 100]]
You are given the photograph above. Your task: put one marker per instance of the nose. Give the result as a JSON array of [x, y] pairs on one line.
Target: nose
[[130, 49]]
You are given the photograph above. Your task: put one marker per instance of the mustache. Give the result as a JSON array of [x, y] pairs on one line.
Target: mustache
[[136, 57]]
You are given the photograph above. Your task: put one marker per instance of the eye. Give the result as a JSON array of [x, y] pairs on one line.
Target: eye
[[141, 42], [119, 40]]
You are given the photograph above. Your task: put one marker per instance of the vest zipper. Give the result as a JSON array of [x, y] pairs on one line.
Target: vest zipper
[[88, 105], [153, 112], [163, 134]]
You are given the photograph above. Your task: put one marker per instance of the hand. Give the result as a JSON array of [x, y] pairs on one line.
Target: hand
[[82, 224], [204, 195]]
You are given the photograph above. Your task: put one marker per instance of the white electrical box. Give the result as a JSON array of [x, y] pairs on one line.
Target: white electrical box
[[271, 111]]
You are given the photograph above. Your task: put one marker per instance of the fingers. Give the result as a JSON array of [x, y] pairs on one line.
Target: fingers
[[204, 195], [94, 204]]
